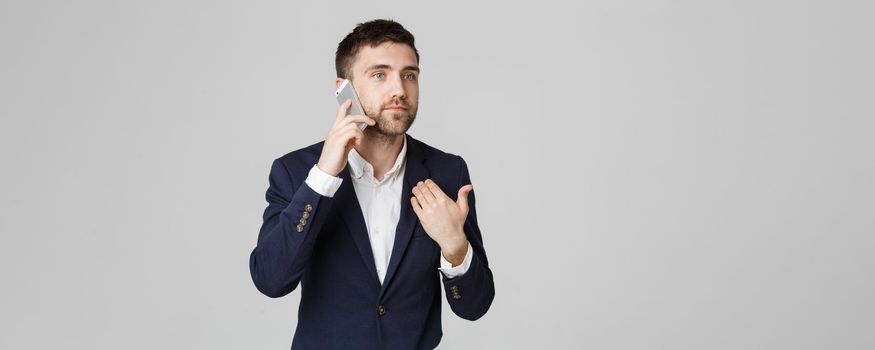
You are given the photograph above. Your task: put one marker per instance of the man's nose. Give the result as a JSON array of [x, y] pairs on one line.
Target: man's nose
[[397, 88]]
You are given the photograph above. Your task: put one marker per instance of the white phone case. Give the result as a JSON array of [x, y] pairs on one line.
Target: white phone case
[[347, 92]]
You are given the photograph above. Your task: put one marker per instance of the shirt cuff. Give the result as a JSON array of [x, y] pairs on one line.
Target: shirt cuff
[[322, 183], [451, 271]]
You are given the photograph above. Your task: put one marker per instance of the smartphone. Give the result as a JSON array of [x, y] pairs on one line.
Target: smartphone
[[347, 92]]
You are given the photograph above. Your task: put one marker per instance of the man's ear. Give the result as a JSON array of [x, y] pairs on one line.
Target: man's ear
[[337, 82]]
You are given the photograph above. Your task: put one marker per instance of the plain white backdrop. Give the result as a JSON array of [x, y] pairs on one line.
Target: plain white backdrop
[[649, 174]]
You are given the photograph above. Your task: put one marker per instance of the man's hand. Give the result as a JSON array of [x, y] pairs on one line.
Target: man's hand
[[442, 218], [342, 137]]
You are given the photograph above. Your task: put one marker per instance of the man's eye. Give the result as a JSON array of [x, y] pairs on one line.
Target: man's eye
[[378, 75], [410, 76]]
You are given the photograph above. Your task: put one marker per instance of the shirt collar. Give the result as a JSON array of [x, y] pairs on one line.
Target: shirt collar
[[359, 166]]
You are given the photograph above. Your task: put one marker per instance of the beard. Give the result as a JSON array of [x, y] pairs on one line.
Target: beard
[[390, 124]]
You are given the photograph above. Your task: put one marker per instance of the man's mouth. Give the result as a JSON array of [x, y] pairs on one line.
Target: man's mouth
[[395, 108]]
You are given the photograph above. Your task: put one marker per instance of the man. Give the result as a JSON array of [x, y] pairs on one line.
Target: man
[[361, 219]]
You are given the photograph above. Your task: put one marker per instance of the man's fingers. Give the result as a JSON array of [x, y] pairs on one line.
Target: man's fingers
[[341, 112], [351, 132], [416, 207], [351, 127], [342, 119], [419, 192], [359, 119], [341, 133], [430, 197], [435, 189], [463, 197]]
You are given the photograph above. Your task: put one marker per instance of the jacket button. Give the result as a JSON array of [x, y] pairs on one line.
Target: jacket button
[[299, 228], [455, 290], [306, 215], [381, 310], [303, 221], [308, 208]]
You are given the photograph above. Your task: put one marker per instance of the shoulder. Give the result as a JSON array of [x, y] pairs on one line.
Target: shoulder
[[301, 160], [441, 164], [432, 154]]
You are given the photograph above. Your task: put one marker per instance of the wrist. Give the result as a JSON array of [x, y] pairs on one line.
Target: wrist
[[455, 252], [327, 170]]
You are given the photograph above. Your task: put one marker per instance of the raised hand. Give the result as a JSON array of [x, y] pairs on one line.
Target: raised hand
[[442, 218], [343, 136]]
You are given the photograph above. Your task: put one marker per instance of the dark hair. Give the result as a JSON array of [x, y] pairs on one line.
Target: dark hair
[[371, 33]]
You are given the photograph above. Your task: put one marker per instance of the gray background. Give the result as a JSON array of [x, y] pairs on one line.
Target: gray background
[[650, 174]]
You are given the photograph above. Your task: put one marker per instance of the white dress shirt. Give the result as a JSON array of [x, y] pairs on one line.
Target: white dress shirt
[[380, 201]]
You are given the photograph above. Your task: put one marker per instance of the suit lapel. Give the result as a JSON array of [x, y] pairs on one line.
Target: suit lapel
[[352, 215], [414, 172]]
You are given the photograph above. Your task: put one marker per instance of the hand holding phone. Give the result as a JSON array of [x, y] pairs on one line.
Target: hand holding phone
[[345, 132]]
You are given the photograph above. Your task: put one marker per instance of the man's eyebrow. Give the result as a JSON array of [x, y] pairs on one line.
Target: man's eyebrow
[[386, 66]]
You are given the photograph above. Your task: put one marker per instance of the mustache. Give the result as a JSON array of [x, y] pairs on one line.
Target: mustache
[[401, 103]]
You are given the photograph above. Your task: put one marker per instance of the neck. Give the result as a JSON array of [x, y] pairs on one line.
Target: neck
[[380, 150]]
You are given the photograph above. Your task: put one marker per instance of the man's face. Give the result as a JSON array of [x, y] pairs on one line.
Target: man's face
[[386, 79]]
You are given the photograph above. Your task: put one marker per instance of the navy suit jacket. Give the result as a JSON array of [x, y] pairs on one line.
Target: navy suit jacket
[[327, 250]]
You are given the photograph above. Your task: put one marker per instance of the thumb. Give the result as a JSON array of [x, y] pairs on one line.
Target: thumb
[[462, 200]]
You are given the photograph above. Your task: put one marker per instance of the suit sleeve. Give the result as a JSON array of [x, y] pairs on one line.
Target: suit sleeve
[[470, 295], [292, 221]]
